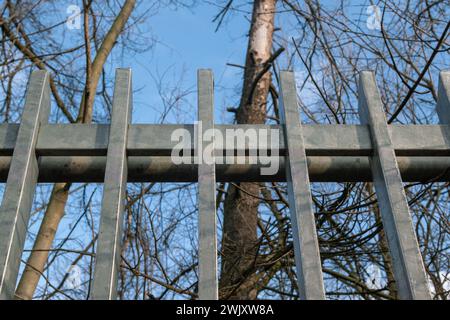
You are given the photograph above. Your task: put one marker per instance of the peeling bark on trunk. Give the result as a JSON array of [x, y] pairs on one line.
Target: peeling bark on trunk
[[239, 240]]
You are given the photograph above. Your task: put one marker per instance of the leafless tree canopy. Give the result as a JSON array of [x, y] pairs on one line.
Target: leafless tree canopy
[[327, 43]]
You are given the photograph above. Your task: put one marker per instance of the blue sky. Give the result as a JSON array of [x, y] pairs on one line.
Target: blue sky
[[182, 47], [186, 40]]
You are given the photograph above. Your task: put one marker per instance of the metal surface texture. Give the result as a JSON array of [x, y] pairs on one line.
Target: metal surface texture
[[21, 182], [119, 153], [306, 245], [107, 258], [409, 271], [208, 288]]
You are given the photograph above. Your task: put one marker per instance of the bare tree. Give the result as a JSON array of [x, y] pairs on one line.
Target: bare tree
[[327, 44], [240, 239]]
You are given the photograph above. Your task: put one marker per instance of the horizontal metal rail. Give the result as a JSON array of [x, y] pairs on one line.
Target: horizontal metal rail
[[161, 169], [336, 153], [155, 140]]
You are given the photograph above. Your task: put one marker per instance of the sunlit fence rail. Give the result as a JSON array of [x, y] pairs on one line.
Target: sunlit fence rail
[[35, 151]]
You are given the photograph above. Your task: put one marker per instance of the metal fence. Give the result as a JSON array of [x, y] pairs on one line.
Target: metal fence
[[35, 151]]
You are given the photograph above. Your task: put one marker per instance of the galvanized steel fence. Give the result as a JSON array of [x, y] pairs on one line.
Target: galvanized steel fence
[[35, 151]]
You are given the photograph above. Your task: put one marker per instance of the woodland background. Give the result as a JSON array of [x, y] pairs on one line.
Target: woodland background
[[326, 43]]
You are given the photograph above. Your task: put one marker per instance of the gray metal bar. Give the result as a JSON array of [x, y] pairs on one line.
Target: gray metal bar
[[443, 104], [306, 246], [162, 169], [408, 266], [208, 288], [319, 140], [21, 182], [109, 239]]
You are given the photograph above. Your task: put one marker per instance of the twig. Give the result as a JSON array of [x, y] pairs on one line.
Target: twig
[[422, 74], [267, 65]]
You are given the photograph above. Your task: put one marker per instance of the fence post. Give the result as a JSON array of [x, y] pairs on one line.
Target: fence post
[[207, 286], [408, 266], [306, 246], [443, 104], [107, 262], [21, 183]]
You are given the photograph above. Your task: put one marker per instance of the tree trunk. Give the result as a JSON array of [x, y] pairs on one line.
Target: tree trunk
[[239, 239]]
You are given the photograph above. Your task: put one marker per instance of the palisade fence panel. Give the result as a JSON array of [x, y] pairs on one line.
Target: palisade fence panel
[[387, 155]]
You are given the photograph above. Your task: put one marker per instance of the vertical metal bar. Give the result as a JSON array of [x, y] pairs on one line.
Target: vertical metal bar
[[109, 239], [306, 246], [443, 104], [207, 286], [408, 266], [21, 182]]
